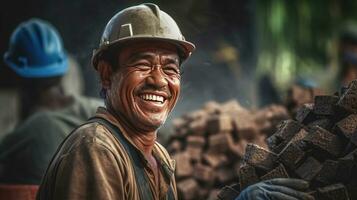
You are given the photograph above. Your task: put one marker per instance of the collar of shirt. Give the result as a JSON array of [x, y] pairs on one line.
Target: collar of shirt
[[166, 168]]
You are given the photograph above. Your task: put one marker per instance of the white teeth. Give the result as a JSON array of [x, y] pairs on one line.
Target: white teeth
[[152, 97]]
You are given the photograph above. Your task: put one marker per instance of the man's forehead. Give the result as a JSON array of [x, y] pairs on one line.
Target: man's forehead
[[150, 48]]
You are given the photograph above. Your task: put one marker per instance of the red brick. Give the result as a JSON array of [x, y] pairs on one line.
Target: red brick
[[195, 115], [197, 127], [325, 141], [195, 141], [175, 146], [324, 105], [226, 175], [178, 123], [212, 107], [245, 127], [309, 169], [324, 123], [347, 126], [269, 117], [333, 192], [346, 169], [183, 165], [228, 193], [188, 189], [259, 157], [237, 150], [219, 123], [291, 156], [328, 172], [286, 131], [204, 173], [194, 152], [348, 100], [298, 95], [215, 160], [220, 143], [278, 172], [247, 176], [213, 194], [232, 107], [304, 114], [203, 192]]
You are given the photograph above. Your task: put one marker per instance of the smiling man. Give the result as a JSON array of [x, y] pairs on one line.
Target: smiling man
[[115, 155]]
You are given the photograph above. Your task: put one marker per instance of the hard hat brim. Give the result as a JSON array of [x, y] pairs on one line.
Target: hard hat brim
[[52, 70], [185, 48]]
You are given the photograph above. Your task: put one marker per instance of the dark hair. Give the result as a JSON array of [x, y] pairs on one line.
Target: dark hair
[[110, 55], [32, 90]]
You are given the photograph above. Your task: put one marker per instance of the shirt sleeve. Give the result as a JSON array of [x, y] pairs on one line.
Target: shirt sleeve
[[91, 171]]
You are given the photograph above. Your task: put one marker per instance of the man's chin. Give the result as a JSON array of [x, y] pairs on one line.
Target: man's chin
[[153, 124], [150, 120]]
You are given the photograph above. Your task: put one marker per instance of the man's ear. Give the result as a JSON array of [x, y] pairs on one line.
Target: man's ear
[[105, 73]]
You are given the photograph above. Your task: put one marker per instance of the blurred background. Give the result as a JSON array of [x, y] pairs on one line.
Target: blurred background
[[251, 51]]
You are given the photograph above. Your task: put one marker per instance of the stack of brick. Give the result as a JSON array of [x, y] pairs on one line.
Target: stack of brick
[[320, 146], [209, 143]]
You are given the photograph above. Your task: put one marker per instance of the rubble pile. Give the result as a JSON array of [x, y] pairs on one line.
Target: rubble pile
[[319, 146], [209, 143]]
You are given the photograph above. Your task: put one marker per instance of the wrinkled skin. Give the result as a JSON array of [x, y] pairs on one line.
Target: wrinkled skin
[[144, 68]]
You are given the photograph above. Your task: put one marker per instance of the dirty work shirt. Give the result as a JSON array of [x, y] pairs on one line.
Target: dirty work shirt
[[26, 152], [93, 165]]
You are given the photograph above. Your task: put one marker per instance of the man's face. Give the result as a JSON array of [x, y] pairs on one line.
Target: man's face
[[146, 85]]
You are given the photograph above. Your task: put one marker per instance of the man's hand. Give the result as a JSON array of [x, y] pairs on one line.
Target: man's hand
[[277, 189]]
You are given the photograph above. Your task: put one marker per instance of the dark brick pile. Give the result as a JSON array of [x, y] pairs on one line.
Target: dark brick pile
[[319, 146]]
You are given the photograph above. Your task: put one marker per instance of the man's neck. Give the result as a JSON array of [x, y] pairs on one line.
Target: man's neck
[[143, 140], [50, 99]]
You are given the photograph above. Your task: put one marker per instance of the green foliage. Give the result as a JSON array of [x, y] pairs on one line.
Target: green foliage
[[299, 37]]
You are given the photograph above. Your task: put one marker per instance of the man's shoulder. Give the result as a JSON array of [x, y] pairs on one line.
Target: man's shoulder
[[89, 133]]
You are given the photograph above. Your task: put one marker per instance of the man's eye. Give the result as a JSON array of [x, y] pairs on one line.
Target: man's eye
[[171, 70], [143, 66]]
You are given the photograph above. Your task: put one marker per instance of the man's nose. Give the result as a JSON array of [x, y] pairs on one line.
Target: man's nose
[[156, 77]]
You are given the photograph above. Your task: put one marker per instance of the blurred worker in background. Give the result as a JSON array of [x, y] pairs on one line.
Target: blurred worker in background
[[37, 56], [267, 92], [301, 92], [347, 55]]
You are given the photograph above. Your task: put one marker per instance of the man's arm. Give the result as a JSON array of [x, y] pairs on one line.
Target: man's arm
[[91, 171]]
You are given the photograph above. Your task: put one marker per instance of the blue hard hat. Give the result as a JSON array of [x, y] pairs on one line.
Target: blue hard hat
[[306, 82], [36, 50]]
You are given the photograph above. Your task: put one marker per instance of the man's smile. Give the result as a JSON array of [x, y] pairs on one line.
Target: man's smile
[[153, 101], [153, 97]]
